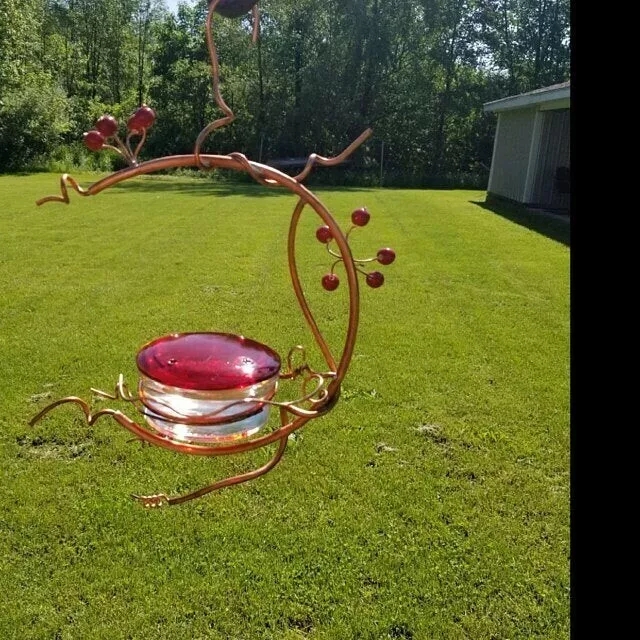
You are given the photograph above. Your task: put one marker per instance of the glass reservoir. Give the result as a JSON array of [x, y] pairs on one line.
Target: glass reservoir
[[207, 387]]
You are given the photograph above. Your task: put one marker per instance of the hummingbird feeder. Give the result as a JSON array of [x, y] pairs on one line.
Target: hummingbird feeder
[[211, 394]]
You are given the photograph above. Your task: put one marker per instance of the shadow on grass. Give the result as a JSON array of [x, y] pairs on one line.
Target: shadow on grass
[[553, 226], [196, 186]]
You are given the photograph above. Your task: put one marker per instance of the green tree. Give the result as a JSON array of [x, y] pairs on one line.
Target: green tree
[[19, 42], [528, 41], [417, 71], [34, 111]]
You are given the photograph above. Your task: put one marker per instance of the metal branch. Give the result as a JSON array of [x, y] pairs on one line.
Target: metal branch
[[64, 180], [330, 162], [161, 499], [91, 417], [229, 116]]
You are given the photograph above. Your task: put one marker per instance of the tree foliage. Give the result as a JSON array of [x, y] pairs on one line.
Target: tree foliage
[[417, 71]]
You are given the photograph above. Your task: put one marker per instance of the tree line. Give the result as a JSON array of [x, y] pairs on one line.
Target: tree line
[[416, 71]]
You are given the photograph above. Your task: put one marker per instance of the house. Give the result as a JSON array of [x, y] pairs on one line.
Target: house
[[531, 157]]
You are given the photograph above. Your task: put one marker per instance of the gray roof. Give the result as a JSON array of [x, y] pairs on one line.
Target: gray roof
[[560, 91]]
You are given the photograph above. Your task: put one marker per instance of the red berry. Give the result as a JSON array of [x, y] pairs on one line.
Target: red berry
[[360, 217], [386, 256], [142, 118], [324, 234], [132, 125], [330, 282], [375, 279], [93, 140], [107, 125]]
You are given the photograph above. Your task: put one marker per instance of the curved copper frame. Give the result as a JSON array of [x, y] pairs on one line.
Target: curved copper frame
[[293, 415]]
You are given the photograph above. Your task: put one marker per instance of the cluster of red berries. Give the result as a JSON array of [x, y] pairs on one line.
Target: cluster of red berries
[[359, 218], [107, 126]]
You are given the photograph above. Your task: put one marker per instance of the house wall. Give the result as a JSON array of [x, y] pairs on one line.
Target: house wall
[[511, 152], [554, 152]]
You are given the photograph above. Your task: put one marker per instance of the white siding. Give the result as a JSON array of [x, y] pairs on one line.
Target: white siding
[[511, 153]]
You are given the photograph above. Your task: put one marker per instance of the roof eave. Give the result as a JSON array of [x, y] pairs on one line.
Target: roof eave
[[561, 96]]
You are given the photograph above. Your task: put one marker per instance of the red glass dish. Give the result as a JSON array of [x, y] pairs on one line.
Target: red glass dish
[[207, 361]]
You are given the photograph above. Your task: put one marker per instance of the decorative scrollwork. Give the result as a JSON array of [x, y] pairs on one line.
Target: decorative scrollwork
[[64, 197], [330, 281]]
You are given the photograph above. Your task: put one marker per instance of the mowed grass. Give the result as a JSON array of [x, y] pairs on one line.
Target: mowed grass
[[431, 503]]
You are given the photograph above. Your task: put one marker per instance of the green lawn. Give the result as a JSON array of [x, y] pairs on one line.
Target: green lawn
[[432, 503]]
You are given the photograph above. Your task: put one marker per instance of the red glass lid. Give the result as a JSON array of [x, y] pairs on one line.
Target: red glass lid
[[207, 361]]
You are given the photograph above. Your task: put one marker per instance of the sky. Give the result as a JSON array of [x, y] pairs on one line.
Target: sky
[[173, 4]]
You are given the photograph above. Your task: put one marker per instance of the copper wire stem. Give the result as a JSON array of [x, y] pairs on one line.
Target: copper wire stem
[[229, 116], [331, 162], [123, 150], [161, 499]]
